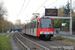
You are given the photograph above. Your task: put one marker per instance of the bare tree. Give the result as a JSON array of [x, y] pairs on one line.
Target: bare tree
[[3, 11], [2, 20]]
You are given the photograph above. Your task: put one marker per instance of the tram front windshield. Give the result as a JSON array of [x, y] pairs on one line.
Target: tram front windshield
[[46, 23]]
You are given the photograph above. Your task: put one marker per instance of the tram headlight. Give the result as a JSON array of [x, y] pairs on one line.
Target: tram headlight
[[51, 32], [46, 32], [41, 32]]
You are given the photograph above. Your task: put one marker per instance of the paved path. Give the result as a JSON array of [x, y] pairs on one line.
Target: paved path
[[2, 33], [14, 46], [65, 34]]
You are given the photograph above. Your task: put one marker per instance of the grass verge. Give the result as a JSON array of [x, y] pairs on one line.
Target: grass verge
[[64, 39], [5, 42]]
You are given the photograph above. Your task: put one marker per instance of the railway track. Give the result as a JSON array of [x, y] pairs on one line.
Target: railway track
[[29, 44], [32, 43]]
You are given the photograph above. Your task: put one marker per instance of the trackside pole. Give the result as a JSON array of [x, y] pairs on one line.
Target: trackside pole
[[71, 26], [71, 16]]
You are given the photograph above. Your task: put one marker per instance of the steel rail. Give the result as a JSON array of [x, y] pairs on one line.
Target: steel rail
[[35, 43], [22, 43]]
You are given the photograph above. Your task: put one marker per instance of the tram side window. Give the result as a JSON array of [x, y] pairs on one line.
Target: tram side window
[[28, 26], [34, 24], [37, 24], [25, 27], [31, 25]]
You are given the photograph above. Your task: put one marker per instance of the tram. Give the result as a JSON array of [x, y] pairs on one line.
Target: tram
[[40, 27]]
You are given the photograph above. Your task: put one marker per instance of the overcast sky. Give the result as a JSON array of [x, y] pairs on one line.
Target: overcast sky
[[30, 6]]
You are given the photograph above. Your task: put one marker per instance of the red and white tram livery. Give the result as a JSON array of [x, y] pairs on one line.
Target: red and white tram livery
[[41, 27]]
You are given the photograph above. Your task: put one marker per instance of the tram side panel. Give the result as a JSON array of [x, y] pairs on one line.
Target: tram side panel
[[31, 29]]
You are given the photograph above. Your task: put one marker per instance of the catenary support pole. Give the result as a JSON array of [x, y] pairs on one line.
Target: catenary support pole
[[70, 16]]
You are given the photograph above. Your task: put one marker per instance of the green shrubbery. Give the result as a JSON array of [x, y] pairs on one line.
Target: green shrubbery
[[66, 39], [5, 42]]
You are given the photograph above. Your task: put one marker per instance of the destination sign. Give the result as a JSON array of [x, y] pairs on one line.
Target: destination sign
[[51, 12]]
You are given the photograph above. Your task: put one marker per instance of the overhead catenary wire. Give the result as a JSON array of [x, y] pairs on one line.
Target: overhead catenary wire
[[49, 4], [21, 12], [21, 8], [26, 6], [52, 3], [41, 5]]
